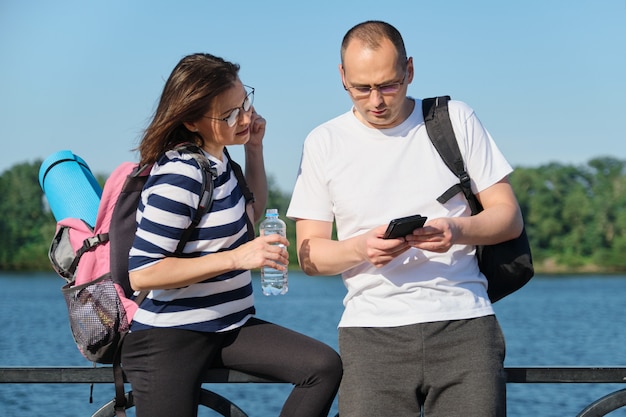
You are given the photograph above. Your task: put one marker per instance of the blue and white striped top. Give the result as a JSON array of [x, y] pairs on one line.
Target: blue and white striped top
[[168, 203]]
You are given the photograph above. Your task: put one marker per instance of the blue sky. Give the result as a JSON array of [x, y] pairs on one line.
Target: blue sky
[[547, 78]]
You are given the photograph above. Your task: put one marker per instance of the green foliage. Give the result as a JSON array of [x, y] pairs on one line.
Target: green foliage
[[575, 216], [25, 225]]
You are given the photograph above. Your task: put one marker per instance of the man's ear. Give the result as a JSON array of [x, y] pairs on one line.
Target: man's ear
[[343, 75], [409, 70]]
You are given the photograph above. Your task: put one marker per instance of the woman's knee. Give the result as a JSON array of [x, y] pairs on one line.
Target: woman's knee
[[326, 364]]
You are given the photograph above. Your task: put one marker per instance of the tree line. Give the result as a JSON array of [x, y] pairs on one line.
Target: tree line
[[575, 216]]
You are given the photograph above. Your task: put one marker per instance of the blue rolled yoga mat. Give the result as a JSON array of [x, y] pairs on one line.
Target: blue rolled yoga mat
[[70, 187]]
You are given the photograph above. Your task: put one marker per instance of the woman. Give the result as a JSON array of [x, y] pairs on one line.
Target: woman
[[200, 310]]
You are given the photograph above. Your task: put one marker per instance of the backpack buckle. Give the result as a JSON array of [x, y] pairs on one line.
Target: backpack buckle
[[464, 178], [93, 241]]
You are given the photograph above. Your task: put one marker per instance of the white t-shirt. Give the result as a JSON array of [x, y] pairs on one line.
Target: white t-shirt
[[362, 178]]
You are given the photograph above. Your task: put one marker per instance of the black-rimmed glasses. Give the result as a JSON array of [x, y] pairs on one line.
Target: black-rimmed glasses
[[384, 89], [233, 116]]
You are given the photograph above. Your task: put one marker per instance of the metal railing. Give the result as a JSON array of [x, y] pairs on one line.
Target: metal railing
[[526, 375]]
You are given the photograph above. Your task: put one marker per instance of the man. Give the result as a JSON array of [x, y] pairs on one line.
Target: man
[[418, 332]]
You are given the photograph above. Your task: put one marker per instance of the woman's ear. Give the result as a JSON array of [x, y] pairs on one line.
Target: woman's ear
[[190, 126]]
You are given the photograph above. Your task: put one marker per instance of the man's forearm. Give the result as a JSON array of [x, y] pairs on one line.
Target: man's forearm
[[319, 256]]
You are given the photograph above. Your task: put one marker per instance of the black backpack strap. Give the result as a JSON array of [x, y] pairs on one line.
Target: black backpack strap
[[247, 193], [88, 244], [118, 377], [118, 372], [441, 134], [209, 173]]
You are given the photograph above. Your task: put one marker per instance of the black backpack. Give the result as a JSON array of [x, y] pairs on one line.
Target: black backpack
[[508, 266]]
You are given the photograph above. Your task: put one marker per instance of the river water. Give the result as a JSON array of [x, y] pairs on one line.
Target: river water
[[553, 321]]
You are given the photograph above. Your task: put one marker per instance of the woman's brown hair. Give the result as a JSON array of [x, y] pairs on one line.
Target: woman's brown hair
[[188, 93]]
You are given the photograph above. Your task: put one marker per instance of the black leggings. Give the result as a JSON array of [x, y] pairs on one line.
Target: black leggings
[[164, 366]]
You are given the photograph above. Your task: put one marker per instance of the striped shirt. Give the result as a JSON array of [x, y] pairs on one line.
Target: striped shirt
[[168, 204]]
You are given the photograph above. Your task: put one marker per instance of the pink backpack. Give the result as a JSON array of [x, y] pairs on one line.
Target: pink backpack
[[94, 262], [99, 309]]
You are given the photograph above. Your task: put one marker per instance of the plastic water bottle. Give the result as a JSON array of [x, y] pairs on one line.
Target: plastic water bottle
[[273, 281]]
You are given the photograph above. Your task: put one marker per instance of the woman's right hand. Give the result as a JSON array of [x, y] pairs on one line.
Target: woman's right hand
[[270, 250]]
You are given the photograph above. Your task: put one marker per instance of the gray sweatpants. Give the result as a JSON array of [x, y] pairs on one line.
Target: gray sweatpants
[[441, 369]]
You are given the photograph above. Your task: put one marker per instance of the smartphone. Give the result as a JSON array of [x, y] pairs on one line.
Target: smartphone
[[403, 226]]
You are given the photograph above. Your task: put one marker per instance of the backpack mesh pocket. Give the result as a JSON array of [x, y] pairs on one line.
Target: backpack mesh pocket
[[97, 316]]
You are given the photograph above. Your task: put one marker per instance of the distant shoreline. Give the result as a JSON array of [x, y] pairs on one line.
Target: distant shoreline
[[550, 267], [546, 267]]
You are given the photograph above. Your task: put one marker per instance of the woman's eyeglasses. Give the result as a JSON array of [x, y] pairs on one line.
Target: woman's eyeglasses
[[233, 116]]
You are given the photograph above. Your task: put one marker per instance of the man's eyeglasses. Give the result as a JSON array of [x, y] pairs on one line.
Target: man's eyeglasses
[[385, 89], [233, 116]]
